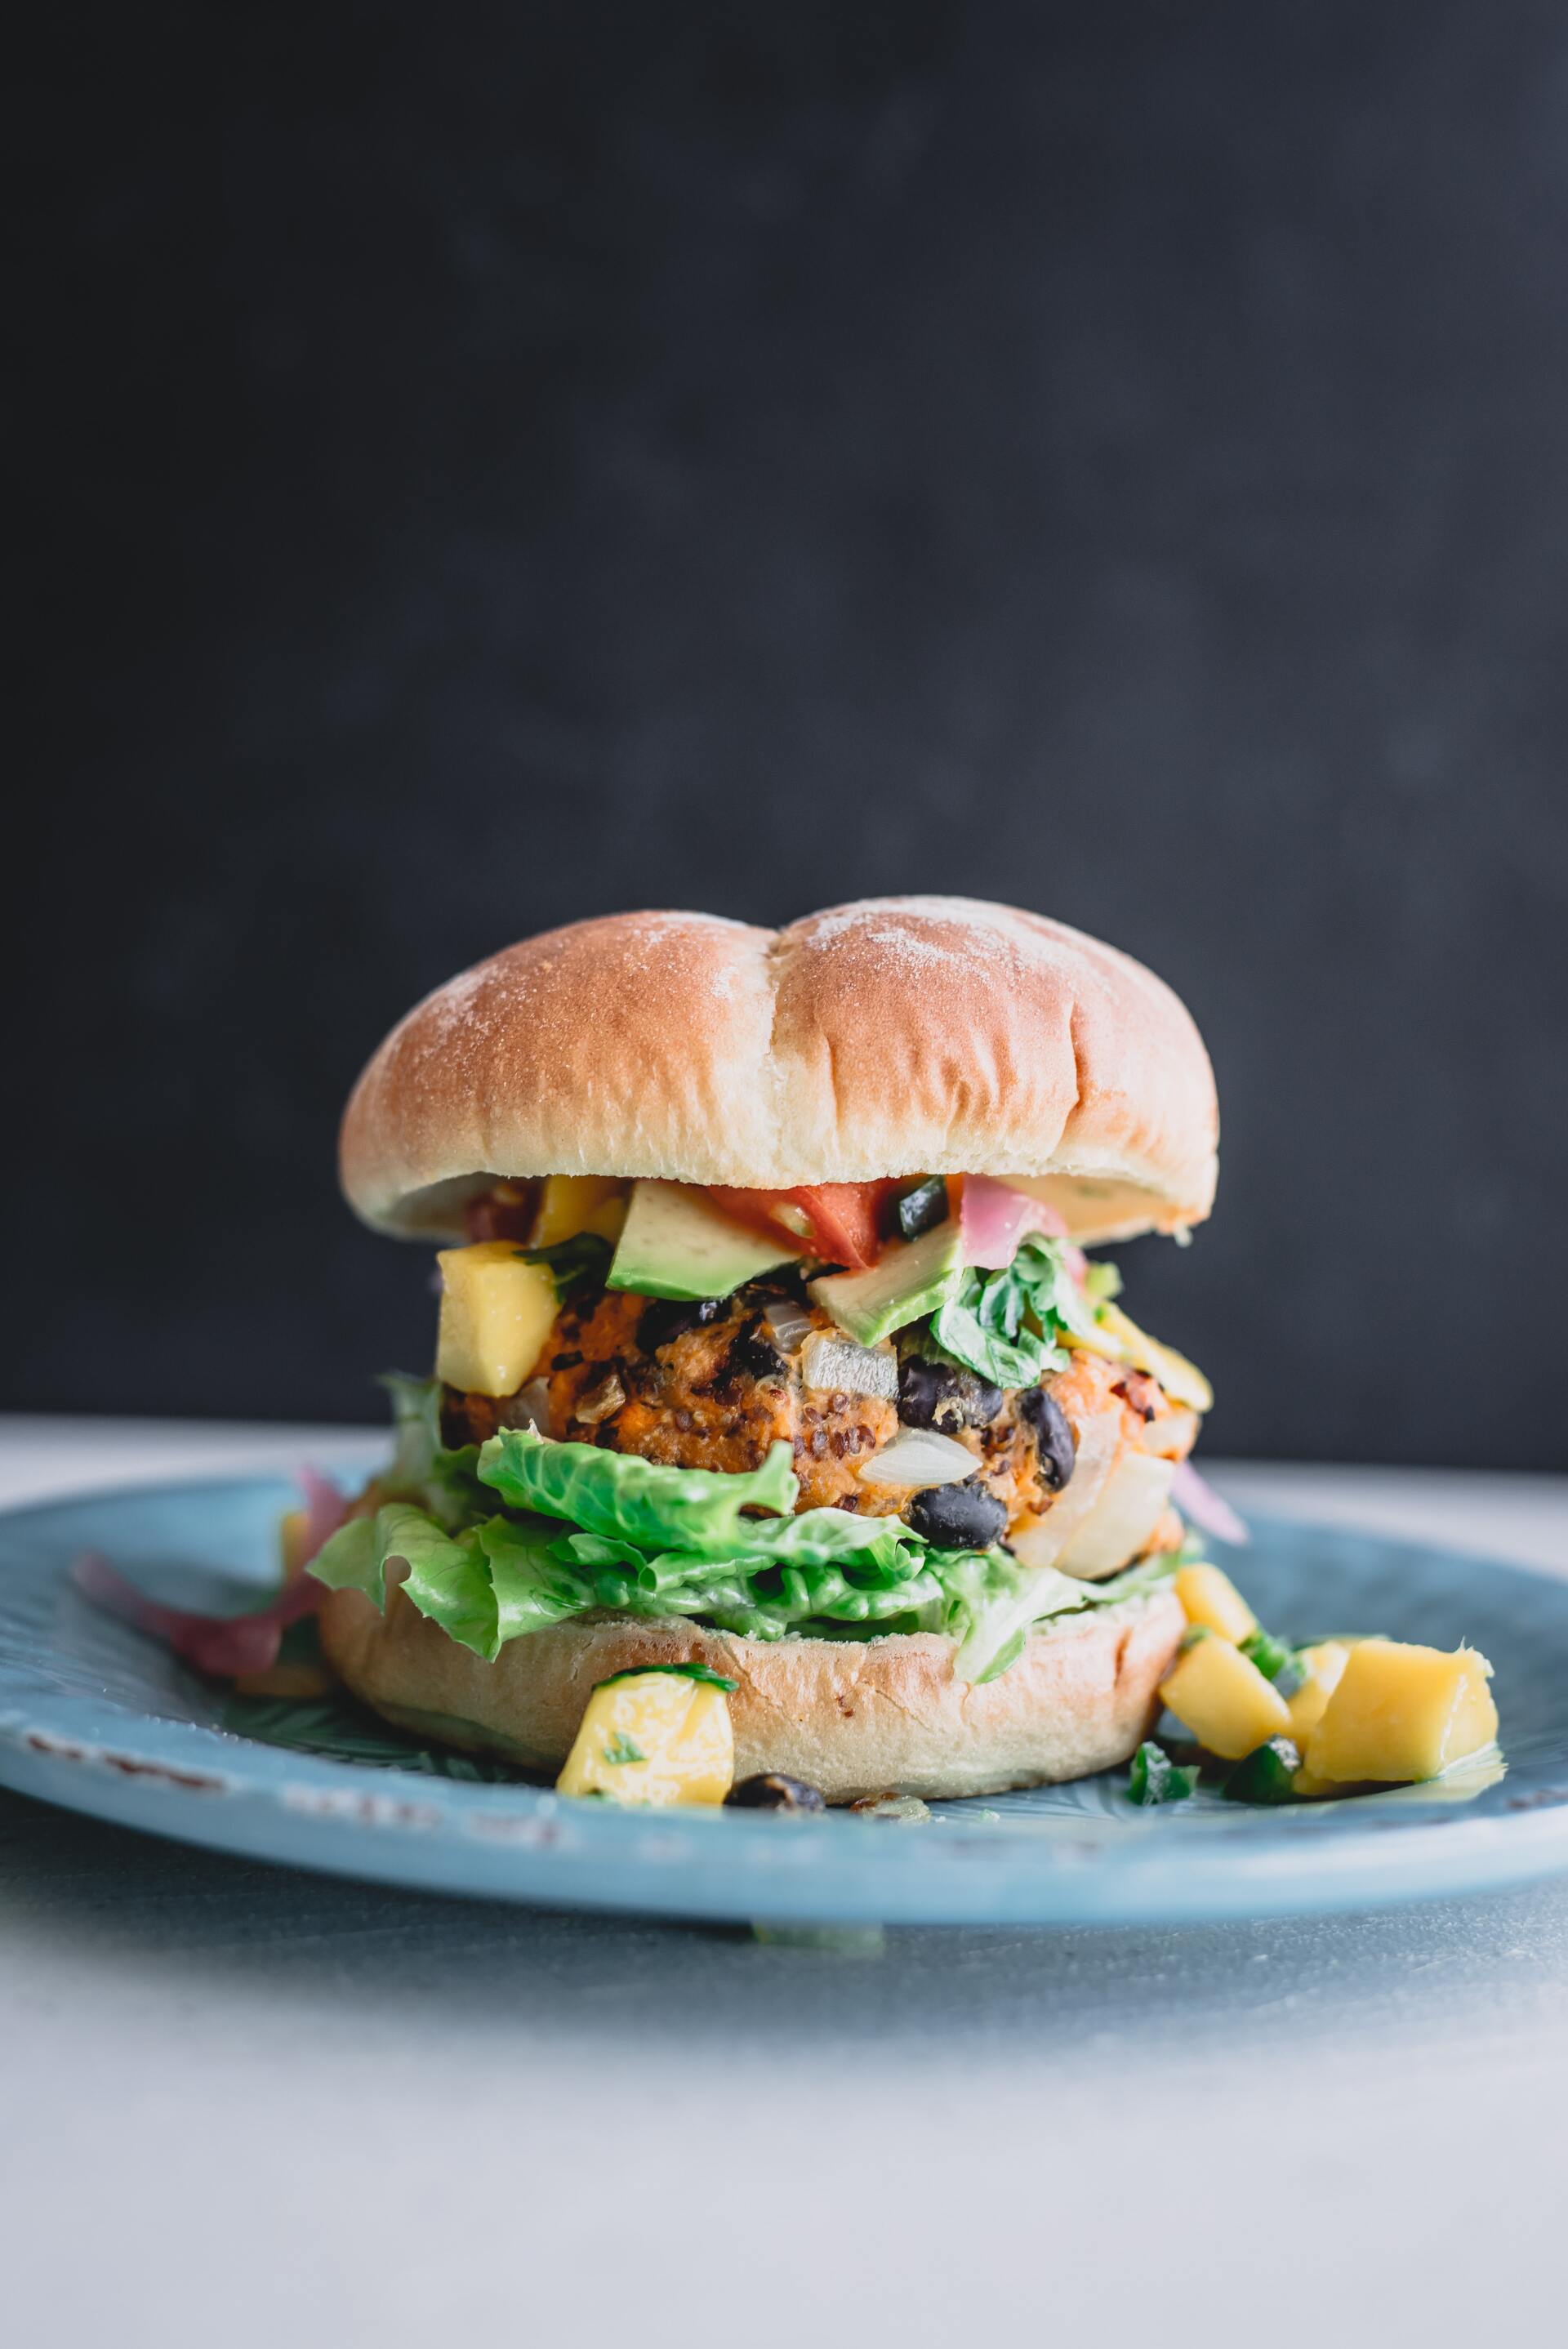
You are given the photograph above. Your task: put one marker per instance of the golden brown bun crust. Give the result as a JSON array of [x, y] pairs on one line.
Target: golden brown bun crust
[[853, 1717], [901, 1035]]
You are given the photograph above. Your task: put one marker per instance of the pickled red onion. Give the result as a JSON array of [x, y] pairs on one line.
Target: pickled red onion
[[994, 1218], [223, 1645], [1198, 1500]]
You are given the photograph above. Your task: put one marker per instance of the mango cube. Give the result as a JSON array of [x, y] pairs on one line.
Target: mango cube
[[497, 1310], [1210, 1597], [1402, 1713], [653, 1738], [1322, 1667], [1224, 1699], [570, 1204]]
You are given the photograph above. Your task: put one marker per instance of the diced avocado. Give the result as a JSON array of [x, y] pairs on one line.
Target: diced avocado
[[909, 1280], [675, 1243], [1267, 1776]]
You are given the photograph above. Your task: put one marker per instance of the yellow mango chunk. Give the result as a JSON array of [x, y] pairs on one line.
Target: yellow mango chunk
[[291, 1543], [1402, 1713], [1210, 1597], [570, 1204], [1323, 1666], [653, 1738], [497, 1310], [1224, 1699], [1116, 1335]]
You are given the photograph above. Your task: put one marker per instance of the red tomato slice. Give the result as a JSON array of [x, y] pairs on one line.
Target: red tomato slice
[[842, 1220]]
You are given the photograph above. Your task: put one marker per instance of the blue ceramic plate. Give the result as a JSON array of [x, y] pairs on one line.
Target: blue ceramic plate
[[95, 1717]]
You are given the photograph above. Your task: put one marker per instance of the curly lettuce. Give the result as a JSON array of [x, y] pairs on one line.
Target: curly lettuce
[[584, 1531]]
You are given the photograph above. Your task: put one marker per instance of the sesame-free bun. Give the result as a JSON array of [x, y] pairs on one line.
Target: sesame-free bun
[[851, 1716], [896, 1036]]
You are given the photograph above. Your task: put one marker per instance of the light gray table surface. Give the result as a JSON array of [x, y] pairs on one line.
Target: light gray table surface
[[239, 2104]]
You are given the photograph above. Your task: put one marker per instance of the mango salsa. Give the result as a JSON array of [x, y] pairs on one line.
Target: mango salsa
[[653, 1738], [1224, 1699], [570, 1204], [1322, 1667], [1116, 1334], [1210, 1597], [497, 1310], [1402, 1713]]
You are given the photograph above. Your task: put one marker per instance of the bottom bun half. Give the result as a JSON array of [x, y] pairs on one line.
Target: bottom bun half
[[851, 1716]]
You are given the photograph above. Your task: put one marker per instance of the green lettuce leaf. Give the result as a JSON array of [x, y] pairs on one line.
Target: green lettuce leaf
[[1001, 1602], [447, 1578], [531, 1587], [585, 1530], [696, 1510], [509, 1577]]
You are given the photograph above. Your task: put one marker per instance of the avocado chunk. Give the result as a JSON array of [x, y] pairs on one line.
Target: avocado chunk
[[909, 1280], [675, 1242]]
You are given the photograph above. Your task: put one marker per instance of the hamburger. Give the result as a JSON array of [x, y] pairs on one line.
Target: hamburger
[[780, 1426]]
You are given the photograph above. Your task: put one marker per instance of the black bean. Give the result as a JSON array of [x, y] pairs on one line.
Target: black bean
[[753, 1355], [669, 1318], [772, 1791], [959, 1516], [922, 1209], [942, 1395], [1058, 1449]]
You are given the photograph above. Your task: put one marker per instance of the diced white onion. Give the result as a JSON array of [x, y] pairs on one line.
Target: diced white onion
[[601, 1401], [1172, 1435], [788, 1323], [1042, 1542], [918, 1457], [835, 1362], [1136, 1496], [530, 1406]]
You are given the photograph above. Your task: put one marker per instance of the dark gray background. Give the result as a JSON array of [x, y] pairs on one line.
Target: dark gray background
[[482, 466]]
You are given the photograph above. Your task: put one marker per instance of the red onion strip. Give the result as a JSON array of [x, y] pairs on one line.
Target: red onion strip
[[995, 1218], [223, 1645], [1198, 1500]]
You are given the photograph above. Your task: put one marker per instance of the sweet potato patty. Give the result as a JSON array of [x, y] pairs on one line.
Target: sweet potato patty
[[708, 1386]]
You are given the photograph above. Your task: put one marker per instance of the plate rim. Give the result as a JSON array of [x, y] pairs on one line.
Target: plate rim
[[520, 1843]]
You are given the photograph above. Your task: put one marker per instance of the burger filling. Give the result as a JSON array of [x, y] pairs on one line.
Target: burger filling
[[902, 1407]]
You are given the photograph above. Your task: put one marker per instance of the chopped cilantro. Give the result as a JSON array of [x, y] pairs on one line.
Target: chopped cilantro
[[694, 1671], [620, 1749], [1155, 1778], [570, 1262]]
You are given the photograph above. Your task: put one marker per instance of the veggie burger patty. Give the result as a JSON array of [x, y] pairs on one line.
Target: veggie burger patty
[[714, 1383]]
